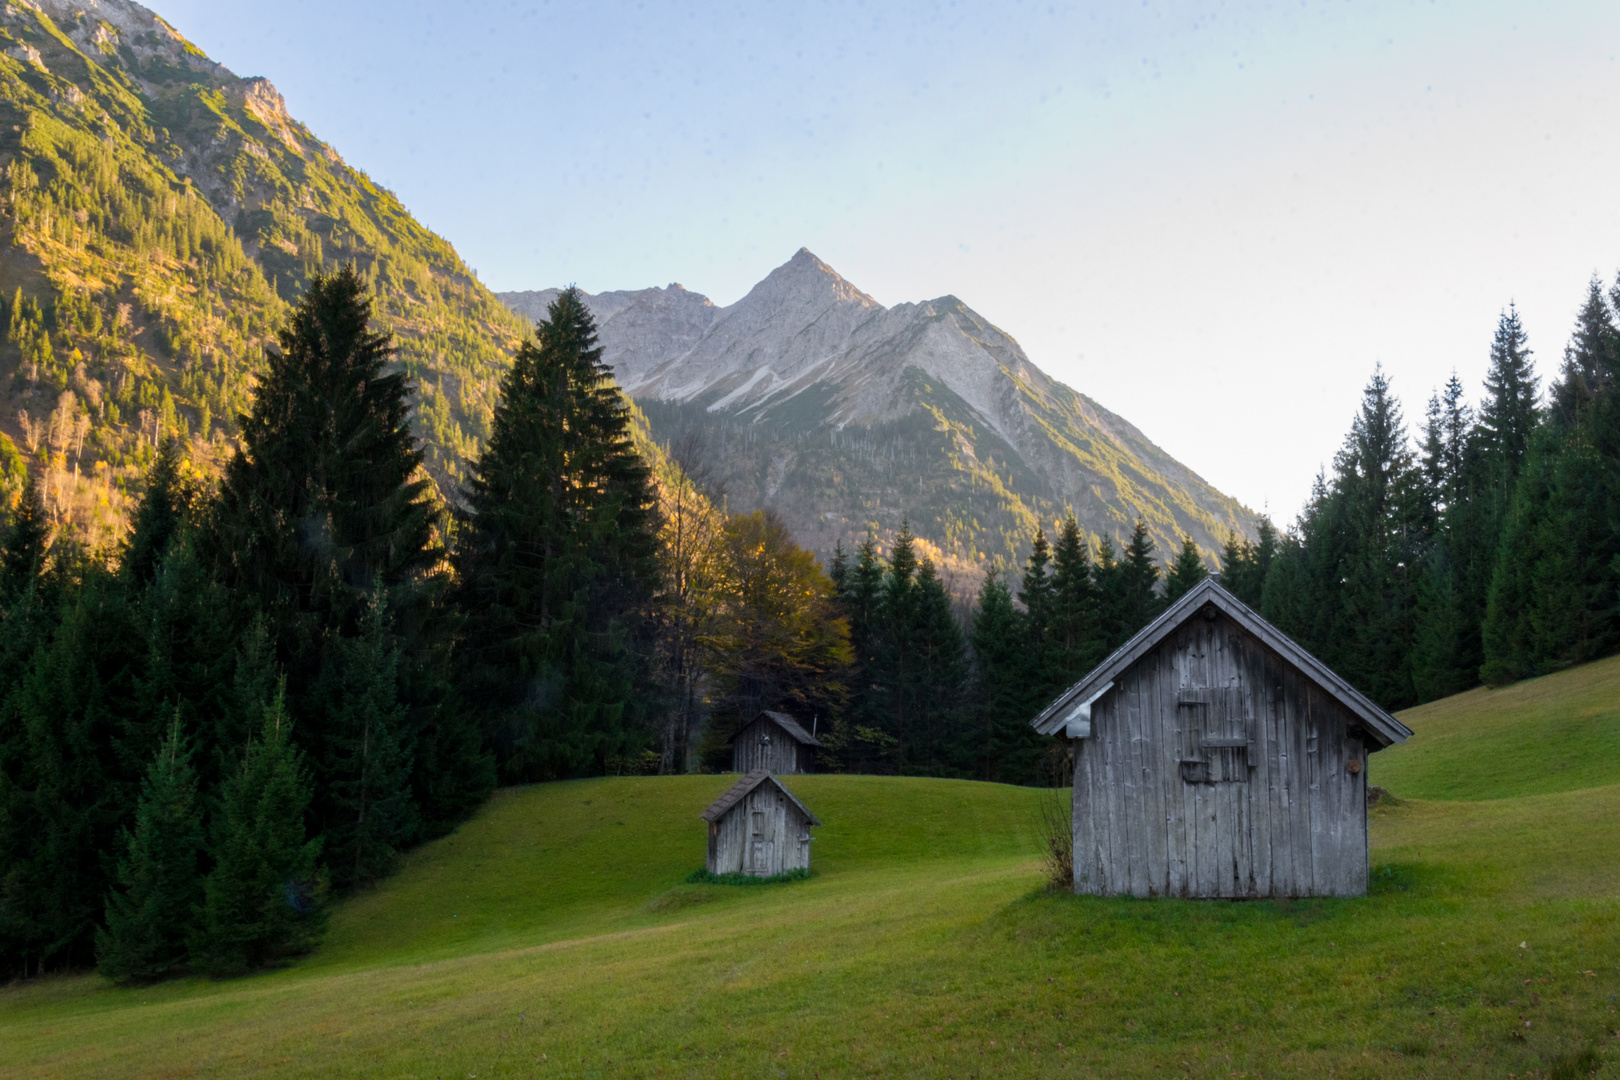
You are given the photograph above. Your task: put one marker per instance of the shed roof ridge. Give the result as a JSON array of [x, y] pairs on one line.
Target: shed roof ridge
[[791, 726], [735, 793], [1208, 590]]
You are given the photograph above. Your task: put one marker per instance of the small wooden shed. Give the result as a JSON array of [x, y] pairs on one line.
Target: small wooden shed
[[759, 828], [774, 742], [1214, 757]]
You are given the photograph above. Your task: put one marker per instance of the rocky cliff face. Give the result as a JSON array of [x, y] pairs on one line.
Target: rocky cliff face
[[847, 417]]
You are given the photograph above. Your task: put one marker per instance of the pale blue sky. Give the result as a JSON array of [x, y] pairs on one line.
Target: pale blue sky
[[1213, 218]]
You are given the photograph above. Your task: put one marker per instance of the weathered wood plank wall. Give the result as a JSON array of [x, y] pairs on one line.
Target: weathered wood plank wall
[[763, 745], [763, 835], [1214, 768]]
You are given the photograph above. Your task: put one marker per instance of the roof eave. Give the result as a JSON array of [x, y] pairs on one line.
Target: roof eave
[[1379, 723]]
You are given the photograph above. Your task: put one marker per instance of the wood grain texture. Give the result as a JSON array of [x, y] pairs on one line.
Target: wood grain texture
[[765, 744], [1218, 768], [763, 834]]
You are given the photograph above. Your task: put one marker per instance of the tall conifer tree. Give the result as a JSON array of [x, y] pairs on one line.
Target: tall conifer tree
[[939, 737], [1188, 570], [22, 558], [1510, 411], [84, 756], [556, 560], [1452, 570], [1136, 601], [150, 914], [1557, 573], [1077, 635], [1037, 593], [326, 502], [263, 900], [163, 510], [859, 596], [368, 755], [1011, 750]]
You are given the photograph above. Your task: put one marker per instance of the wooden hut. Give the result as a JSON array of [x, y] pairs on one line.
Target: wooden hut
[[759, 828], [774, 742], [1213, 757]]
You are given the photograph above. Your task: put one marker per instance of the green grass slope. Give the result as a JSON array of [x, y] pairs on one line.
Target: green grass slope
[[553, 937], [1557, 733]]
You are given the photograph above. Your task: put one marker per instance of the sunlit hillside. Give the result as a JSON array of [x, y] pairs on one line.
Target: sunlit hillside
[[159, 214]]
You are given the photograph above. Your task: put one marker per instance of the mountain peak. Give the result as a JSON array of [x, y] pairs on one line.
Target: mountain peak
[[806, 279]]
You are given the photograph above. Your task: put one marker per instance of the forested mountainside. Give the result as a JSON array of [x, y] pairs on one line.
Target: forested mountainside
[[848, 417], [157, 215]]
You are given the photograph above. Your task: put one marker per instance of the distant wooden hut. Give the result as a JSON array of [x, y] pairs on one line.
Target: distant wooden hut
[[1213, 757], [759, 828], [774, 742]]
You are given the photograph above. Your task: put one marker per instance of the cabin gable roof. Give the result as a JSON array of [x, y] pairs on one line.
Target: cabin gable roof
[[786, 723], [1379, 724], [736, 792]]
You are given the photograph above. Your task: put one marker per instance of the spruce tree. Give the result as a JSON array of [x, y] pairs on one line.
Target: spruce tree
[[1077, 644], [1245, 565], [556, 561], [256, 680], [1450, 577], [1381, 494], [1107, 572], [189, 647], [263, 901], [1236, 554], [859, 598], [1136, 601], [1589, 360], [83, 759], [29, 612], [897, 670], [1011, 750], [368, 755], [941, 746], [1037, 593], [1510, 412], [1187, 571], [838, 567], [1551, 600], [22, 558], [326, 502], [1302, 593], [150, 913], [164, 508]]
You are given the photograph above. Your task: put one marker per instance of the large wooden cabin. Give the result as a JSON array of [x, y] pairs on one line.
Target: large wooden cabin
[[1213, 757]]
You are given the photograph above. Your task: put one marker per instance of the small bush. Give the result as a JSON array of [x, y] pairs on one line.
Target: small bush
[[1055, 826], [703, 877]]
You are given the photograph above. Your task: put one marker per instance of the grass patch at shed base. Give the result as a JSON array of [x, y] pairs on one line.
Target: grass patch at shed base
[[703, 876]]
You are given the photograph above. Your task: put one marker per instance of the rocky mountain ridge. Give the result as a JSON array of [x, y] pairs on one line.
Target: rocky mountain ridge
[[847, 416]]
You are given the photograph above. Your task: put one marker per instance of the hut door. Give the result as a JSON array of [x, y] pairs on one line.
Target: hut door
[[762, 841]]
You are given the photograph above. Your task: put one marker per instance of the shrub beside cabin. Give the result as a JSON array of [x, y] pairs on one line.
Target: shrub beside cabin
[[1213, 757], [774, 742], [758, 828]]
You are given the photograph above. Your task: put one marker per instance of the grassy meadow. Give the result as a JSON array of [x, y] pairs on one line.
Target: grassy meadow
[[553, 936]]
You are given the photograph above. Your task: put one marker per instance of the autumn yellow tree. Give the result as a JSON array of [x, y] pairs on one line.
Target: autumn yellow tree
[[779, 640]]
